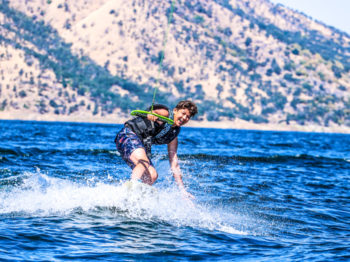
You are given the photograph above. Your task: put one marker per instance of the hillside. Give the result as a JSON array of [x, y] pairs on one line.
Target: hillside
[[238, 60]]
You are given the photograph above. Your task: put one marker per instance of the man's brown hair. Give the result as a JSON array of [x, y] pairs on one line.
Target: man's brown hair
[[187, 104]]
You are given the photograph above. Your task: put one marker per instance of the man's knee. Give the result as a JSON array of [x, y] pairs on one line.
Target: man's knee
[[146, 164], [153, 173]]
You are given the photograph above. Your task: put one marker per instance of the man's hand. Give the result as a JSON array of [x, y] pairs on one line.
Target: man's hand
[[162, 112], [188, 197], [152, 118], [187, 194]]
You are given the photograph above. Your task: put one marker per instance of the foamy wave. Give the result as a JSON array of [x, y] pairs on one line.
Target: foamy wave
[[41, 195]]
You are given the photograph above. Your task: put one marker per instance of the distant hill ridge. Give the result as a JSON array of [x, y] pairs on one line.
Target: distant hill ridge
[[249, 60]]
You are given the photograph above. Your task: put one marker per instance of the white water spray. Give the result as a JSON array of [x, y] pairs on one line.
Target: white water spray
[[41, 195]]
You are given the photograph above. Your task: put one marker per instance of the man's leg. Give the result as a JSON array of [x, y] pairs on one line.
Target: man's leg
[[142, 170]]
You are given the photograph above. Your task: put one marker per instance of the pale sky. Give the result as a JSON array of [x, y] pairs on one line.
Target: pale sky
[[335, 13]]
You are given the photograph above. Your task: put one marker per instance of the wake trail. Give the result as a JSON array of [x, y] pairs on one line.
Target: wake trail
[[41, 195]]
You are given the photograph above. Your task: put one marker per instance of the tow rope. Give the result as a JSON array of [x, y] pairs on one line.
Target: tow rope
[[144, 113]]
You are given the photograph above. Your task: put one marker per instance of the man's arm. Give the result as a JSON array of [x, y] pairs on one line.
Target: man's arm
[[175, 168]]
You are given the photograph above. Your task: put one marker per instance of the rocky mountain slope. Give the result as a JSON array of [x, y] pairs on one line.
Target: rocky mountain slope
[[238, 59]]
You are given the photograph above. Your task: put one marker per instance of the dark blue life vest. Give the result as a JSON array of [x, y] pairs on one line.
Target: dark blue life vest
[[152, 132]]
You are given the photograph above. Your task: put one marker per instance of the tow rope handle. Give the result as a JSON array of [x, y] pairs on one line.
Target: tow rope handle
[[145, 113]]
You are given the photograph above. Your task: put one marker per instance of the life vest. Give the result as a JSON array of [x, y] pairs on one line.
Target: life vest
[[152, 132]]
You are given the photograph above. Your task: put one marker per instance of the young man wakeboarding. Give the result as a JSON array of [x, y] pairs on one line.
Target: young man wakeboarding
[[135, 139]]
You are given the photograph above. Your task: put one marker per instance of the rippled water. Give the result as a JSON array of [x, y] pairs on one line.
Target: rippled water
[[260, 196]]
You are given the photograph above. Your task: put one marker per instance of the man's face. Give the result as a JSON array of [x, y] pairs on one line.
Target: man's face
[[181, 116]]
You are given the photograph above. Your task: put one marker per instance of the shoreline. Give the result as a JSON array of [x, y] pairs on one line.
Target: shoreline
[[234, 124]]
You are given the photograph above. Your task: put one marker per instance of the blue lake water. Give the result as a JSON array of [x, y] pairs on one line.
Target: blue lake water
[[260, 196]]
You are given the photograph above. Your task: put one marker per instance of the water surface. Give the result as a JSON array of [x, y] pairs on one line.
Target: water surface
[[260, 196]]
